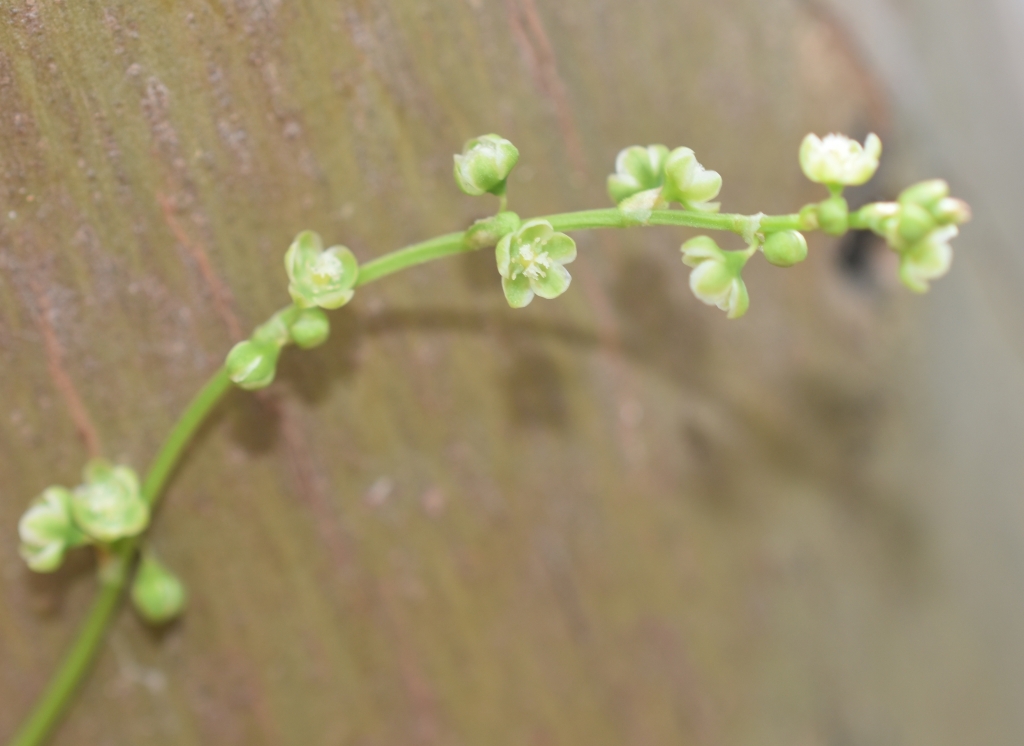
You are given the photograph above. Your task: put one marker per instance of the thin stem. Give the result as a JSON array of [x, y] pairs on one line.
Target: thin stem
[[56, 697], [180, 436], [410, 256]]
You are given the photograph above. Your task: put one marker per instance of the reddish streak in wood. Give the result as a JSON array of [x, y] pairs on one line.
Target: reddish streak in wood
[[61, 379], [222, 300]]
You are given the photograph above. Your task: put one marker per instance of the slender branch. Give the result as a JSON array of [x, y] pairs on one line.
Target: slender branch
[[50, 706], [57, 695]]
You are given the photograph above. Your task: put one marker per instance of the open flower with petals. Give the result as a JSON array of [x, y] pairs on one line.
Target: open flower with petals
[[109, 505], [716, 277], [689, 183], [318, 277], [47, 531], [530, 261], [928, 259], [838, 161]]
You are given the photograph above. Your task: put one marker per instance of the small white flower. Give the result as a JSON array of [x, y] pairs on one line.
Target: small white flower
[[838, 161], [689, 183], [530, 261], [109, 505], [46, 530], [638, 169], [716, 277], [928, 259], [651, 178], [318, 277]]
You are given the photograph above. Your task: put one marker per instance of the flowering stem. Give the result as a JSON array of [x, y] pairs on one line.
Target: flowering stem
[[57, 695], [62, 686]]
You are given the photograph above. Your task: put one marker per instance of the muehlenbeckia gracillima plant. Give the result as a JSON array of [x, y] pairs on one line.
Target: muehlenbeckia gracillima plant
[[652, 185]]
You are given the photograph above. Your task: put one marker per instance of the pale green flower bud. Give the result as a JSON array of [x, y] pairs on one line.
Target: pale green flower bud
[[928, 259], [317, 277], [785, 248], [637, 169], [252, 364], [109, 506], [485, 164], [952, 211], [914, 223], [275, 331], [838, 161], [310, 328], [925, 193], [716, 277], [834, 216], [531, 260], [158, 595], [486, 233], [46, 530], [689, 183]]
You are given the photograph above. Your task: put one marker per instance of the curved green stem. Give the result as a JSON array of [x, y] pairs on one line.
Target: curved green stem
[[57, 695], [72, 670]]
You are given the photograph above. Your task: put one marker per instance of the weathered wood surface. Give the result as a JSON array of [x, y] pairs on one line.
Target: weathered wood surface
[[611, 519]]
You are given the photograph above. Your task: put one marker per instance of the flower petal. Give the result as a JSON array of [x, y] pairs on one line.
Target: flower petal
[[560, 248], [553, 283], [331, 299], [502, 254], [534, 230], [517, 292]]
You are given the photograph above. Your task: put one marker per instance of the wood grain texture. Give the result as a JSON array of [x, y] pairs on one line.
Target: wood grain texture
[[611, 519]]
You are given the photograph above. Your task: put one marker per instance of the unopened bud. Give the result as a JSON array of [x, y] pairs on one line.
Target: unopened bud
[[785, 248], [925, 193], [311, 328], [952, 211], [485, 233], [252, 364], [834, 216], [915, 222], [484, 165], [157, 593]]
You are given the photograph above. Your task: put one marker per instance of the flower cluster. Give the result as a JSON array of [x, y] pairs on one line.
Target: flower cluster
[[317, 279], [106, 507], [652, 178], [919, 227]]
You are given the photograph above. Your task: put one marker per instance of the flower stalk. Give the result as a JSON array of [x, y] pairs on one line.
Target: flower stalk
[[111, 509]]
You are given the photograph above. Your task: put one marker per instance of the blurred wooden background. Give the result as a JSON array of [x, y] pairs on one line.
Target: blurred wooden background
[[615, 518]]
